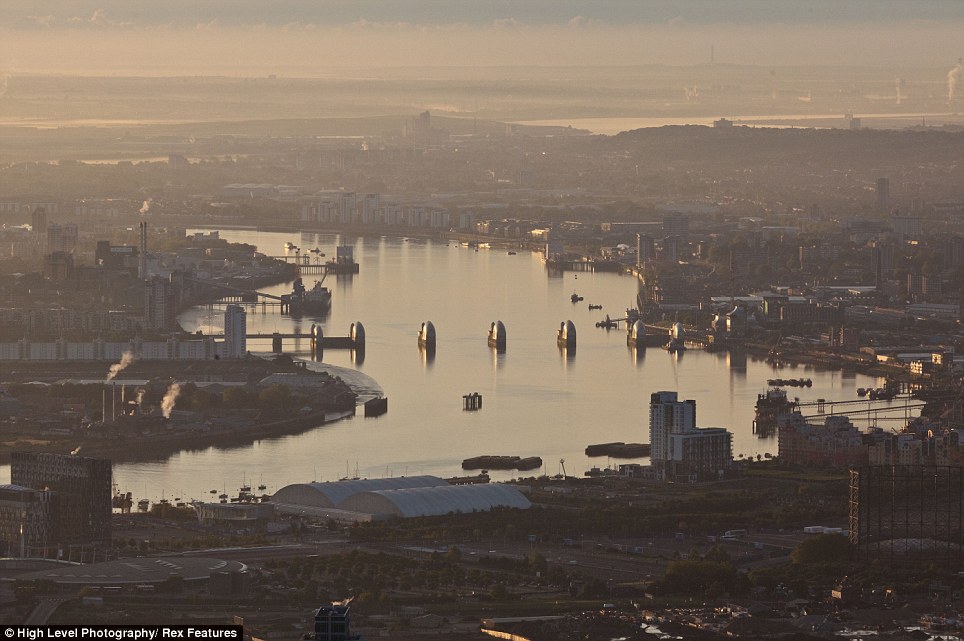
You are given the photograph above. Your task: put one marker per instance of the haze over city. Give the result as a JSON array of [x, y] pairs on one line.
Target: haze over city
[[551, 319]]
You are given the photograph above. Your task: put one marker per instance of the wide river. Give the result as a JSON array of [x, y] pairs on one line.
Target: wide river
[[537, 401]]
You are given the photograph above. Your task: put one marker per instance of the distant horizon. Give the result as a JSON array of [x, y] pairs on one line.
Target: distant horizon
[[322, 75]]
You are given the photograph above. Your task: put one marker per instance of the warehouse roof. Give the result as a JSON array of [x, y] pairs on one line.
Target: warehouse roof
[[432, 501], [333, 494]]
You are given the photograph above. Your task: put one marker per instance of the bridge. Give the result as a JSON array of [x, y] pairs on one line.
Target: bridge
[[355, 339]]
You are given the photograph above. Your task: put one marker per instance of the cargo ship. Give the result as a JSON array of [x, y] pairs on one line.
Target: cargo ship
[[316, 300]]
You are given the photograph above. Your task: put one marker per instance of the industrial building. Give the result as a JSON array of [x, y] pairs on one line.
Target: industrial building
[[248, 517], [908, 513], [380, 499]]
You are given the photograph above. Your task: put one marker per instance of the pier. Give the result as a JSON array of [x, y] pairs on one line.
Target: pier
[[306, 266]]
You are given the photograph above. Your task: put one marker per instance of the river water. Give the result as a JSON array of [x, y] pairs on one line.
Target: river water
[[537, 401]]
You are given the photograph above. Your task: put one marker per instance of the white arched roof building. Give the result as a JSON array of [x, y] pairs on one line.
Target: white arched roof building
[[333, 494], [376, 499], [434, 501]]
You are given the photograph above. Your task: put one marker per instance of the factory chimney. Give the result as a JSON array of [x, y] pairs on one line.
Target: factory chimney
[[142, 264]]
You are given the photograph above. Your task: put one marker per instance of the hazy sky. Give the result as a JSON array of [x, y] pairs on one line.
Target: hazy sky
[[312, 36]]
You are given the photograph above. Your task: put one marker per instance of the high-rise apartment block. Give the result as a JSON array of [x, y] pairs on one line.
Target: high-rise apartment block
[[680, 451], [235, 332]]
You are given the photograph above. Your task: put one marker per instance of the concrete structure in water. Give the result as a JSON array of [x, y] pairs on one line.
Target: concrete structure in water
[[566, 336], [497, 336], [426, 336]]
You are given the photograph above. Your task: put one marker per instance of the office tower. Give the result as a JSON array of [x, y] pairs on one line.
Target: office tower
[[38, 221], [883, 194]]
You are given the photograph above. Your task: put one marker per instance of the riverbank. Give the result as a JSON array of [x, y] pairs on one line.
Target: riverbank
[[121, 448], [151, 438]]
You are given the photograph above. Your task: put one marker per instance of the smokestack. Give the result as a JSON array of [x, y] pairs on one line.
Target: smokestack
[[103, 406], [113, 403], [142, 263]]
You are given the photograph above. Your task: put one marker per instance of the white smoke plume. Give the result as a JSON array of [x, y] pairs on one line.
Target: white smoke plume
[[954, 77], [146, 207], [127, 358], [170, 397]]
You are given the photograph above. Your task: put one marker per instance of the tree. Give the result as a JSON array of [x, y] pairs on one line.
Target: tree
[[822, 549], [236, 397], [274, 397], [499, 592]]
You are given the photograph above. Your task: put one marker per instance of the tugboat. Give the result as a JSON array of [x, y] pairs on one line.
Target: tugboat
[[576, 298]]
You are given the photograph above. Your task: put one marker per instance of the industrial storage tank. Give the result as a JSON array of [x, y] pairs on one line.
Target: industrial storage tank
[[677, 332]]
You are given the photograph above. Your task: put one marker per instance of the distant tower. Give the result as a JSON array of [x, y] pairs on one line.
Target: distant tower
[[38, 221], [159, 304], [645, 249], [883, 194], [142, 264], [235, 332]]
